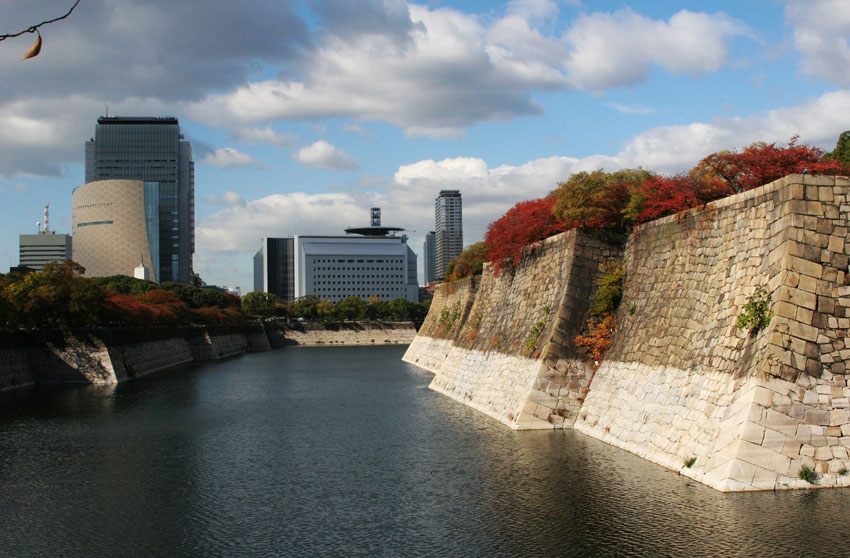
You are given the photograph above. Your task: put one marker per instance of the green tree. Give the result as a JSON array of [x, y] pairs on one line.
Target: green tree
[[597, 199], [400, 309], [259, 303], [841, 152], [325, 310], [126, 285], [351, 308], [469, 262], [418, 311], [305, 307], [58, 296], [377, 309]]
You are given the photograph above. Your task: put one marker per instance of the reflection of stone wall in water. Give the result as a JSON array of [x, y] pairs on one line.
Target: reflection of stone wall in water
[[681, 383]]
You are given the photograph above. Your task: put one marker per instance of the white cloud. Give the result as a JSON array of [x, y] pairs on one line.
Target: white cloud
[[239, 228], [456, 69], [671, 149], [821, 33], [323, 155], [38, 135], [227, 157], [630, 109], [488, 192], [265, 135], [229, 198], [611, 50], [357, 130]]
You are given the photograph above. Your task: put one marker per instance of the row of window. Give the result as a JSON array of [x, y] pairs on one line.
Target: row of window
[[393, 260]]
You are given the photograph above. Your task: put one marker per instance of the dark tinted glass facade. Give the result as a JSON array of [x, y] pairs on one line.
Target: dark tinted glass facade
[[153, 150], [274, 268]]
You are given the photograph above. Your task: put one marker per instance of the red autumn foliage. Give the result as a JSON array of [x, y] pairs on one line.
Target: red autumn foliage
[[216, 315], [761, 163], [525, 223], [598, 340], [663, 195], [129, 309]]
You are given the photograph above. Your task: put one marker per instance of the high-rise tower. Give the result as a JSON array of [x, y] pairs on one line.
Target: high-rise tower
[[429, 272], [448, 234], [153, 150]]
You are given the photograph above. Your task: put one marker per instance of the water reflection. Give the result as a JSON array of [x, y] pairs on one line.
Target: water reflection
[[345, 452]]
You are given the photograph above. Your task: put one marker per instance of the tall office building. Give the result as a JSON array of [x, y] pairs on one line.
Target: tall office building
[[448, 236], [429, 272], [42, 248], [154, 151]]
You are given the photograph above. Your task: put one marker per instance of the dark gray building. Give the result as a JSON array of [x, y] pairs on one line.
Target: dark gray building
[[448, 234], [429, 271], [44, 247], [153, 150], [274, 268]]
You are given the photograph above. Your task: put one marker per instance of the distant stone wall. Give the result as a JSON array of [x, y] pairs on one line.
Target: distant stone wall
[[347, 333], [108, 356]]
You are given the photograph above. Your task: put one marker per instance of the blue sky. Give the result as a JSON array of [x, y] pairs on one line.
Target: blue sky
[[303, 115]]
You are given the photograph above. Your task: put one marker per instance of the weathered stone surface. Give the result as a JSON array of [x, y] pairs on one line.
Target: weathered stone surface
[[680, 380]]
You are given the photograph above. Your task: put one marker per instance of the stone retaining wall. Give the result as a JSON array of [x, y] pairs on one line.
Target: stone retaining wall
[[347, 333], [108, 356], [497, 356], [681, 384]]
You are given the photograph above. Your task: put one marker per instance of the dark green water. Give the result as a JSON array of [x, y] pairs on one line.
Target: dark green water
[[345, 452]]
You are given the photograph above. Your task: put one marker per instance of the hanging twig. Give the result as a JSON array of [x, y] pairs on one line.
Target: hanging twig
[[34, 28]]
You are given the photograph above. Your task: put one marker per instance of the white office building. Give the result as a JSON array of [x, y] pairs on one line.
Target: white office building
[[371, 264]]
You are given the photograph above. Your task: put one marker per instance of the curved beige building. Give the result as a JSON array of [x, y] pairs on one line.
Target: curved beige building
[[110, 229]]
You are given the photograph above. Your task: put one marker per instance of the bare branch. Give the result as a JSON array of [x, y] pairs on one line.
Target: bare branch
[[34, 28]]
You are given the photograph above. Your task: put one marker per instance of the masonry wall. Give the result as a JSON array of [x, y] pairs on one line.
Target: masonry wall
[[108, 356], [347, 333], [681, 384], [489, 343]]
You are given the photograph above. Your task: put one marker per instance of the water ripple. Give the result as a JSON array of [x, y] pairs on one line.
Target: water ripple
[[345, 452]]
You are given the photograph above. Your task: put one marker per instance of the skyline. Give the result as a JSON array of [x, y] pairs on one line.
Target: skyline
[[303, 115]]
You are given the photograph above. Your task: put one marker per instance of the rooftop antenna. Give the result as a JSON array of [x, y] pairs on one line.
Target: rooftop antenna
[[46, 218], [107, 111], [38, 225]]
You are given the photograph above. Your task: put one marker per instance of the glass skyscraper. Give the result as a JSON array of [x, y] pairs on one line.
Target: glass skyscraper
[[153, 150]]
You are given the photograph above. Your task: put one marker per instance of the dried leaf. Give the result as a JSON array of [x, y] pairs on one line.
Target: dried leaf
[[34, 49]]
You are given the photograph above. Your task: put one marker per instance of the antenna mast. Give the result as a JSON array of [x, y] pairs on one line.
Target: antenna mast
[[46, 225]]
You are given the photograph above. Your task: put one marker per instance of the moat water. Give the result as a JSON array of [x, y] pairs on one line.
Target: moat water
[[345, 452]]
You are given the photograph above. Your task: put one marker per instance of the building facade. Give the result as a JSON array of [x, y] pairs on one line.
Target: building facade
[[429, 274], [112, 231], [152, 150], [448, 233], [36, 250], [335, 267], [274, 268]]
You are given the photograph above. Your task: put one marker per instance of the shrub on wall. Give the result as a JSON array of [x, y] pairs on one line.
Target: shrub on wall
[[470, 262], [525, 223], [597, 200]]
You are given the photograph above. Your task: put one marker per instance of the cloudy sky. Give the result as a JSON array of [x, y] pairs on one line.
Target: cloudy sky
[[304, 114]]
